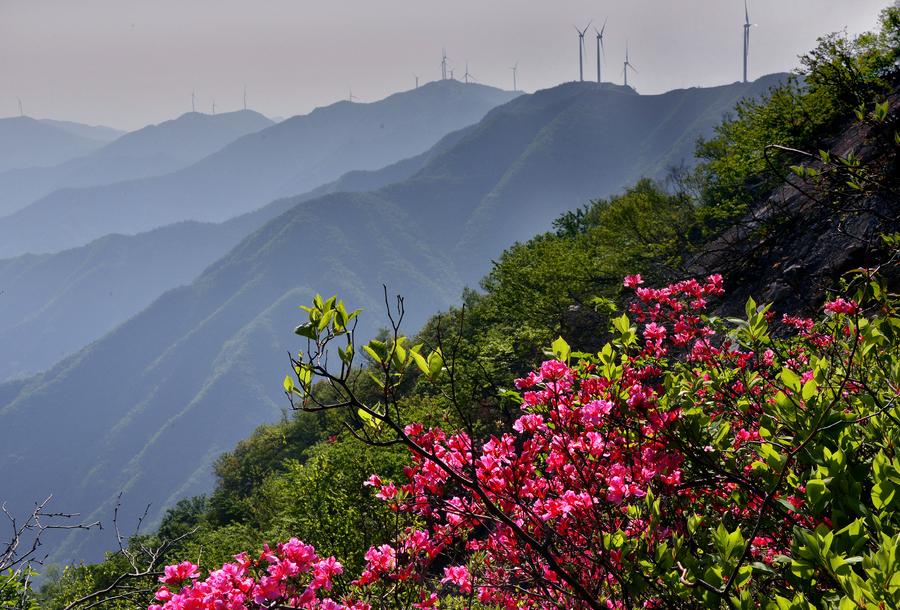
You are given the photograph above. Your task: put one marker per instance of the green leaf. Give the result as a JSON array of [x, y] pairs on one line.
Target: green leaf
[[435, 362], [372, 353], [377, 350], [622, 324], [750, 306], [420, 361], [810, 389], [326, 319], [367, 418], [790, 379], [307, 330], [561, 349]]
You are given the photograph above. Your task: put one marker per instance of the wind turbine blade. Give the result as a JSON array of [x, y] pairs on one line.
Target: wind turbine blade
[[632, 67], [746, 13], [603, 28]]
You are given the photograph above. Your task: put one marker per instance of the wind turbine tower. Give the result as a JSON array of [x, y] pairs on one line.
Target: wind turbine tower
[[416, 76], [628, 64], [581, 50], [468, 75], [747, 26], [444, 65], [599, 48], [245, 97], [214, 107], [21, 112], [193, 101], [515, 70]]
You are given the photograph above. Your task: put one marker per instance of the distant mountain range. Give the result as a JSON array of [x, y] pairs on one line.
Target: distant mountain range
[[101, 133], [163, 394], [54, 304], [26, 142], [291, 157], [151, 151]]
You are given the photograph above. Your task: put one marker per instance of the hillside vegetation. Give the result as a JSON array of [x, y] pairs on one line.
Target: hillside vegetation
[[211, 351], [659, 456]]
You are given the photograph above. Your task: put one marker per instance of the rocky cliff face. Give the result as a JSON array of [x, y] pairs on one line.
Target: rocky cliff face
[[796, 244]]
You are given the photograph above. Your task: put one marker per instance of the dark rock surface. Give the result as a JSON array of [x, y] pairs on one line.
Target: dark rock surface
[[794, 246]]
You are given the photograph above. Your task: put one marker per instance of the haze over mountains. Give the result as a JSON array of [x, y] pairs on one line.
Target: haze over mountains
[[151, 151], [61, 302], [55, 304], [290, 157], [26, 142], [163, 394], [101, 133]]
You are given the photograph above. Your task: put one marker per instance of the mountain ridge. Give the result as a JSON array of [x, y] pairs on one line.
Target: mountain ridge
[[149, 151], [212, 354], [27, 142], [255, 169]]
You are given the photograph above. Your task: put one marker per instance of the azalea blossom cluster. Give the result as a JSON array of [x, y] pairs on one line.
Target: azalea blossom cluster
[[618, 486], [556, 509], [290, 574], [588, 448]]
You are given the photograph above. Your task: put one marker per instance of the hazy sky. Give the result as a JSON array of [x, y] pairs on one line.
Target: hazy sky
[[126, 63]]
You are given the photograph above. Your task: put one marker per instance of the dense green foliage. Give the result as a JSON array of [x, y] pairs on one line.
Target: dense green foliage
[[303, 476], [839, 78]]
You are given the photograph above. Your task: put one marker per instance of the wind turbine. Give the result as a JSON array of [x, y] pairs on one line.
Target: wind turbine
[[352, 97], [515, 70], [245, 97], [214, 106], [747, 26], [21, 112], [466, 76], [193, 101], [581, 49], [444, 64], [628, 64], [416, 76], [600, 47]]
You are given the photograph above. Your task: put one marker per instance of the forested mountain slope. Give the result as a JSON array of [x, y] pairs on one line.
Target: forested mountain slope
[[288, 158], [55, 304], [174, 386], [150, 151], [767, 410]]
